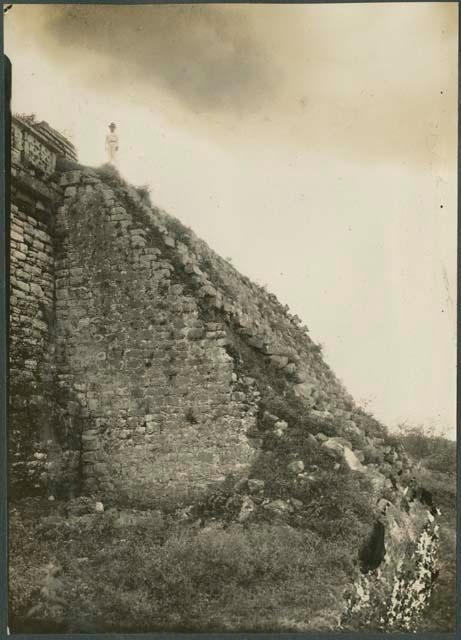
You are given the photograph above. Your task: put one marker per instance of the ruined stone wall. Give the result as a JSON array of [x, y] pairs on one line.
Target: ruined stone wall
[[140, 359], [157, 394], [29, 149], [141, 365], [269, 331], [31, 308], [35, 451], [146, 320]]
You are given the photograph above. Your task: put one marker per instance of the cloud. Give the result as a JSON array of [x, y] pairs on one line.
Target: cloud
[[368, 81], [206, 55]]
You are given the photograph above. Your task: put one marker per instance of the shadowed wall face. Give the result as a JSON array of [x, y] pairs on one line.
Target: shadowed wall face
[[31, 302], [37, 448]]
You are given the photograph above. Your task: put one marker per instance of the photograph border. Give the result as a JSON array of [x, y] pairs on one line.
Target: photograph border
[[4, 252]]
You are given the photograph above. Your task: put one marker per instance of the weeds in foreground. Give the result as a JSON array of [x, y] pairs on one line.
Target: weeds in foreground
[[189, 578]]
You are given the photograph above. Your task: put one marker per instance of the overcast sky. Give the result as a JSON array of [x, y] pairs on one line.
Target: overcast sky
[[314, 145]]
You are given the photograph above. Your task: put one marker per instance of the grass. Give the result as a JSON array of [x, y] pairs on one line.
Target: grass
[[136, 571], [168, 575]]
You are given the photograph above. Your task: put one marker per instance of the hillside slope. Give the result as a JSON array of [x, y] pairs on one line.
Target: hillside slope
[[239, 487]]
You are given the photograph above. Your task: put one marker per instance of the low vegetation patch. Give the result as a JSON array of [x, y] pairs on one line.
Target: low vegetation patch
[[169, 575]]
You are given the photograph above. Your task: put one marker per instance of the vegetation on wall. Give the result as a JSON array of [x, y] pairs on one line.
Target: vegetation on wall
[[275, 550]]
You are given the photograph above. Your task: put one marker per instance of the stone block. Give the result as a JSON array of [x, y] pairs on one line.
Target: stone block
[[304, 390], [195, 333], [247, 508], [70, 178], [278, 361], [14, 235], [100, 468], [278, 507], [297, 466], [70, 192], [89, 457], [334, 448], [36, 290], [255, 485], [311, 439], [138, 241], [352, 460], [89, 443], [18, 255], [208, 291]]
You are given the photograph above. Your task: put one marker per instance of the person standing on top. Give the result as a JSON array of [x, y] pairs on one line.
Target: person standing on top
[[112, 144]]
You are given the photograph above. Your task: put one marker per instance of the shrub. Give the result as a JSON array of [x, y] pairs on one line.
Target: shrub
[[180, 230], [372, 455], [191, 416], [338, 507], [29, 118], [50, 601], [357, 440], [144, 193], [434, 451], [109, 173]]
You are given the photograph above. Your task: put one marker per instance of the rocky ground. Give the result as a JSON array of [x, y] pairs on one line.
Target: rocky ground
[[237, 561]]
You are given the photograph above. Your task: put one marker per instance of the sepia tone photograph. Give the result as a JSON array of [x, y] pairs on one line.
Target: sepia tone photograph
[[232, 294]]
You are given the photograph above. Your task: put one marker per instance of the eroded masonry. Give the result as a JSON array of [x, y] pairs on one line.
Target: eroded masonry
[[140, 360], [144, 366]]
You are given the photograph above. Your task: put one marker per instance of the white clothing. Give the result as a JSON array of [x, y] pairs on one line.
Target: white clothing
[[112, 147]]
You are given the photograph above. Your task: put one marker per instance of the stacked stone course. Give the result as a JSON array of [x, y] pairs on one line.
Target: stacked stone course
[[137, 315], [31, 308], [38, 441], [153, 379]]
